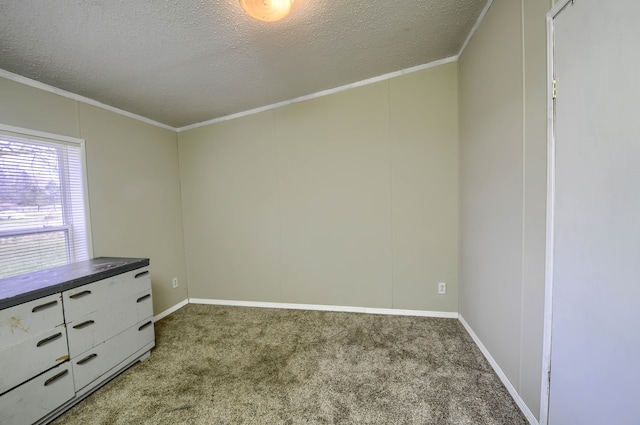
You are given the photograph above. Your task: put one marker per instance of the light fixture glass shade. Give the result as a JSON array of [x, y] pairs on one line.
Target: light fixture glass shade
[[267, 10]]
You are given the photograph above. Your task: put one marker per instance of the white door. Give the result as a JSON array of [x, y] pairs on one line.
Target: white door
[[595, 327]]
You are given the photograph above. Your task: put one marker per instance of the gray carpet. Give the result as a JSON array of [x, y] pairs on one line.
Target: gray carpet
[[234, 365]]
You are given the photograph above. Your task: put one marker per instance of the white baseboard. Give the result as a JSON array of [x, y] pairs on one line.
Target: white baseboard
[[512, 390], [171, 310], [318, 307]]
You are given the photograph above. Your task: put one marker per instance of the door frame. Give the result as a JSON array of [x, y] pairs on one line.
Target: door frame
[[558, 7]]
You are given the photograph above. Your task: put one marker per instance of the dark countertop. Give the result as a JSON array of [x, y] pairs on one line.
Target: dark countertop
[[31, 286]]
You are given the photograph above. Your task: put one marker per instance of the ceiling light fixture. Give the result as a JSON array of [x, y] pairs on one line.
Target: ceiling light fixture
[[267, 10]]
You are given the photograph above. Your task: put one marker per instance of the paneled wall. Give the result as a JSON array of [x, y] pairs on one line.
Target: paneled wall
[[502, 84], [348, 199]]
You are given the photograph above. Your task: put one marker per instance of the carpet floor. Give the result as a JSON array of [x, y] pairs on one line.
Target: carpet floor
[[236, 365]]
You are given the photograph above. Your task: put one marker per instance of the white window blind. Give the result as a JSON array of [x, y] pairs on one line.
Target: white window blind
[[43, 222]]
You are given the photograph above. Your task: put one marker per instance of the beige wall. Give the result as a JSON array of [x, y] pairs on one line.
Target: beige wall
[[229, 196], [35, 109], [348, 199], [335, 189], [133, 180], [424, 160], [502, 75]]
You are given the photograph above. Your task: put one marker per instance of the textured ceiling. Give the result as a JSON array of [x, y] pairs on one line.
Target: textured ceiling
[[180, 62]]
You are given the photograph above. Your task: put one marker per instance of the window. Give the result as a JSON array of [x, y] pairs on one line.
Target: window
[[43, 218]]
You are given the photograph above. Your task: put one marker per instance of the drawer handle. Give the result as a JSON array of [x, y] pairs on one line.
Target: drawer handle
[[144, 297], [84, 324], [55, 377], [49, 339], [144, 273], [80, 294], [146, 325], [43, 306], [87, 359]]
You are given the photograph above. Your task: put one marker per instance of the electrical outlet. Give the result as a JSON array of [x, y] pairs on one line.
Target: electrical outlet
[[442, 288], [175, 282]]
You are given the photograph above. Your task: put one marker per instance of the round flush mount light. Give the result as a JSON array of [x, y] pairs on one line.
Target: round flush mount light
[[267, 10]]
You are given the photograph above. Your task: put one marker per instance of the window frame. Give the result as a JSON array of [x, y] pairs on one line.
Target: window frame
[[41, 136]]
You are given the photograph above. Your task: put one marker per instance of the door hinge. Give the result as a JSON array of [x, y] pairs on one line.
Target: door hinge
[[554, 93]]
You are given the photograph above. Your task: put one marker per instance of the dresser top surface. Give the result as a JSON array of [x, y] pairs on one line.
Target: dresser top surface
[[27, 287]]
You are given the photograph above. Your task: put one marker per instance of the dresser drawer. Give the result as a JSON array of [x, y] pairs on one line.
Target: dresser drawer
[[95, 362], [144, 305], [98, 326], [24, 321], [37, 398], [28, 358], [79, 302]]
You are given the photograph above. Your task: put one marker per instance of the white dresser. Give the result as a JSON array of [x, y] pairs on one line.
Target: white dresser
[[57, 349]]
